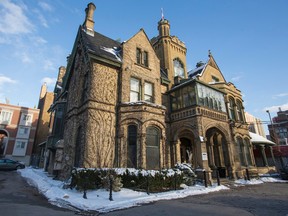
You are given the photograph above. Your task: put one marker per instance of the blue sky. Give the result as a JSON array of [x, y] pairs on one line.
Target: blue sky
[[248, 39]]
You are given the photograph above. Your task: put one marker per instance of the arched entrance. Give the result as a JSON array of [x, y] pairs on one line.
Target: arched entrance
[[218, 155], [3, 142], [187, 147]]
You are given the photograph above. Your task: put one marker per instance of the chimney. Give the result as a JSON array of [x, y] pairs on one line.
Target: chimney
[[89, 22], [61, 73], [43, 90]]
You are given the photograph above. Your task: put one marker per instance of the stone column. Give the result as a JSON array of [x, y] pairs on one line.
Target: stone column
[[272, 155], [262, 150]]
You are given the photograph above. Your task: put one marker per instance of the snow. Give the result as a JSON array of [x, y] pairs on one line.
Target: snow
[[98, 200]]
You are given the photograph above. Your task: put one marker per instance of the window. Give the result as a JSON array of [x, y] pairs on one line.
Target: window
[[138, 56], [142, 57], [231, 109], [5, 117], [138, 92], [240, 150], [145, 58], [239, 111], [148, 92], [132, 146], [20, 147], [134, 90], [178, 68], [215, 79], [152, 148], [23, 132], [26, 119]]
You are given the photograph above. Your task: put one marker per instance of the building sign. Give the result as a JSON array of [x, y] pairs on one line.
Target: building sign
[[204, 156]]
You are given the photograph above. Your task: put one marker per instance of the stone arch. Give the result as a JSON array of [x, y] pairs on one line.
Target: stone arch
[[218, 152], [4, 136]]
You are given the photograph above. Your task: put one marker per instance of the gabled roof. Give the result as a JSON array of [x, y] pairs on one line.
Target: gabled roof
[[102, 46]]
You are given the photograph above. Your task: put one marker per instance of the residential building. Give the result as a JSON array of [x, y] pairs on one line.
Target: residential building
[[134, 104], [17, 131]]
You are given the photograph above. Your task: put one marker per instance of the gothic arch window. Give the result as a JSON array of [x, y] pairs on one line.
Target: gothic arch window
[[152, 148], [240, 150], [239, 108], [178, 68], [231, 106], [247, 152], [132, 146]]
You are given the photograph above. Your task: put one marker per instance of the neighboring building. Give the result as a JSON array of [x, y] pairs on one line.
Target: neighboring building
[[134, 104], [262, 147], [43, 130], [17, 131], [255, 124], [278, 130]]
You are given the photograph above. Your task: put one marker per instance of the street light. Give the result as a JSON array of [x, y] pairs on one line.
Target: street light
[[273, 130]]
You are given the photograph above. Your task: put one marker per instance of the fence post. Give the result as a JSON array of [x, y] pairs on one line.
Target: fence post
[[85, 187], [175, 180], [205, 178], [247, 174], [218, 177], [111, 187], [148, 185]]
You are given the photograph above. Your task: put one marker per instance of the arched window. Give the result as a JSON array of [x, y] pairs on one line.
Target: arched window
[[239, 148], [239, 111], [152, 148], [132, 146], [231, 109], [247, 152], [178, 68]]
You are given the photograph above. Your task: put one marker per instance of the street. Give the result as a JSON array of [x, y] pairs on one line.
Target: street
[[18, 198]]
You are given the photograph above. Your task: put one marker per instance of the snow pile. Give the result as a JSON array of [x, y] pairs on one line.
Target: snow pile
[[98, 200]]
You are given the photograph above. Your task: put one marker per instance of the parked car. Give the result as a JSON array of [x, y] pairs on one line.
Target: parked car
[[8, 164]]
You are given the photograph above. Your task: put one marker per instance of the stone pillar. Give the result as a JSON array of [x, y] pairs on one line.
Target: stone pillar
[[262, 150], [272, 155]]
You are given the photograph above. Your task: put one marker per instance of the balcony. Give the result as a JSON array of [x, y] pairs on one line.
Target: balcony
[[51, 142]]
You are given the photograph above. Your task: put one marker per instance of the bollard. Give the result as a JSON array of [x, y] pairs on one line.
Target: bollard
[[111, 187], [175, 181], [148, 185], [218, 177], [85, 187], [205, 178], [247, 174]]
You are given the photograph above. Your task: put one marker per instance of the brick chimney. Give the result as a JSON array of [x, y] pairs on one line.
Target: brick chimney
[[88, 24]]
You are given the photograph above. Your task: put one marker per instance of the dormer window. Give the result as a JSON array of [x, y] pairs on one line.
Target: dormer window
[[215, 79]]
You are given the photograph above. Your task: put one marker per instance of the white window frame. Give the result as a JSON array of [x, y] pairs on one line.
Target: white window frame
[[23, 132], [26, 119], [6, 117], [20, 147]]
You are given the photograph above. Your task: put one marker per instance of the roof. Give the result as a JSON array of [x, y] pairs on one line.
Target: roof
[[102, 46], [257, 139], [197, 71]]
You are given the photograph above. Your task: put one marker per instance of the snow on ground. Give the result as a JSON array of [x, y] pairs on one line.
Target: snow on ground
[[98, 200]]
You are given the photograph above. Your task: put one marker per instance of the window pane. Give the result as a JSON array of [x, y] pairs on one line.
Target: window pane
[[148, 89], [134, 84], [134, 96]]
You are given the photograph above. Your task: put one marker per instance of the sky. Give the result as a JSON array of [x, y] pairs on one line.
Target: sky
[[98, 200], [248, 39]]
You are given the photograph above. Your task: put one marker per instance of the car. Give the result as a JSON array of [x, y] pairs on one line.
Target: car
[[8, 164]]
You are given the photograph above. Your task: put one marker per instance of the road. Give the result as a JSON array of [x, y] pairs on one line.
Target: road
[[18, 198]]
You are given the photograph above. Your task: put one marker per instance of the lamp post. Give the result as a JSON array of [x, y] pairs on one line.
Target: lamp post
[[273, 130]]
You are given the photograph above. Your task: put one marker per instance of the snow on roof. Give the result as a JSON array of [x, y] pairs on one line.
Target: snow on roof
[[257, 139]]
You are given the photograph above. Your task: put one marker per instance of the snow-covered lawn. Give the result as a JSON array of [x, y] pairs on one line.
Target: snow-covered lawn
[[98, 200]]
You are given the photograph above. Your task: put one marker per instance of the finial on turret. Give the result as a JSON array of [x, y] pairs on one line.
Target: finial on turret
[[162, 14]]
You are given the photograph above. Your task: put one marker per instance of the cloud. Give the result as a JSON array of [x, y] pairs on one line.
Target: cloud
[[13, 20], [24, 57], [276, 108], [4, 80], [281, 95], [45, 6], [49, 81], [237, 78], [48, 65]]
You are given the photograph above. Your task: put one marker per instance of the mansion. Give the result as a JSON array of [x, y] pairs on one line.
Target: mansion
[[134, 104]]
